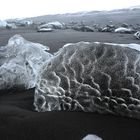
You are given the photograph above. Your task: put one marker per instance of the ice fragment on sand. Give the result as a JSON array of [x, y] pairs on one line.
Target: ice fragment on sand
[[91, 137], [92, 77], [20, 62]]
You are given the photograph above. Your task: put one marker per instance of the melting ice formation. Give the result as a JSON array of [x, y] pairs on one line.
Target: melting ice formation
[[91, 77], [20, 61]]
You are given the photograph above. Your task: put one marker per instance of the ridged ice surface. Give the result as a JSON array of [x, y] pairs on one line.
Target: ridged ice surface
[[91, 77], [20, 61]]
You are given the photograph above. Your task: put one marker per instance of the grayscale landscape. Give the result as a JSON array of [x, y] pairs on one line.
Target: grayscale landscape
[[33, 49]]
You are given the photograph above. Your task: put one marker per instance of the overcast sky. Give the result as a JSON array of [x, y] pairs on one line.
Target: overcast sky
[[30, 8]]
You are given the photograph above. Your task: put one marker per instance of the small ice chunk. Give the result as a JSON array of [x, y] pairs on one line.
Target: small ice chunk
[[92, 137], [123, 30]]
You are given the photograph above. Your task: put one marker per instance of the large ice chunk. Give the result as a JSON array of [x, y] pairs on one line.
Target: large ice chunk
[[92, 77], [20, 61]]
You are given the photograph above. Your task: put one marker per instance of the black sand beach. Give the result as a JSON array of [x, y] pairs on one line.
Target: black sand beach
[[19, 121]]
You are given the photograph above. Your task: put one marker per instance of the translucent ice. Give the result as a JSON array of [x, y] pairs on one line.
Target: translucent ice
[[20, 61]]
